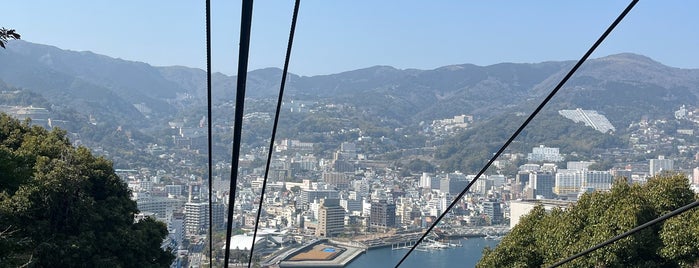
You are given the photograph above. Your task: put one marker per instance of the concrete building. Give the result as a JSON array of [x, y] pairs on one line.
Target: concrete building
[[542, 183], [160, 206], [425, 180], [521, 179], [482, 185], [520, 208], [579, 165], [307, 196], [383, 214], [599, 180], [219, 215], [331, 218], [175, 227], [174, 190], [453, 183], [545, 154], [568, 181], [498, 180], [659, 165], [352, 203], [493, 210], [404, 209], [196, 217], [340, 180]]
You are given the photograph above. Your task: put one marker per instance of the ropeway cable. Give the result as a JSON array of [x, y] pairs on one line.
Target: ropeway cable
[[208, 116], [274, 127], [524, 124], [243, 53]]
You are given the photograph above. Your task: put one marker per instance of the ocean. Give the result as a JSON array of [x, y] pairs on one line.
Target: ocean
[[465, 256]]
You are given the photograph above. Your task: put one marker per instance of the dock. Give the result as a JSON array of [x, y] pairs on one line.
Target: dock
[[323, 253]]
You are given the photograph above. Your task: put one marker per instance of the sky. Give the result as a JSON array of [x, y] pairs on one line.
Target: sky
[[337, 36]]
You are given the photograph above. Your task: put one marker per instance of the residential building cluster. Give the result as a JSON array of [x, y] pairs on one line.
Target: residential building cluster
[[349, 192]]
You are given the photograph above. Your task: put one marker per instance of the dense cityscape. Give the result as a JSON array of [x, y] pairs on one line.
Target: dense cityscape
[[355, 197]]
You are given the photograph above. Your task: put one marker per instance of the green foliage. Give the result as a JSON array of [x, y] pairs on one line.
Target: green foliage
[[22, 98], [419, 165], [61, 206], [681, 238], [7, 34], [542, 238], [601, 166]]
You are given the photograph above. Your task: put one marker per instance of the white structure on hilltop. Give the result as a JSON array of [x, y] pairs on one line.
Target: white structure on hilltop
[[590, 117], [681, 113], [450, 124]]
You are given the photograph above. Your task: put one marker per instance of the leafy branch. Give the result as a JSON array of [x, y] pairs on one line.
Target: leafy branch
[[6, 35]]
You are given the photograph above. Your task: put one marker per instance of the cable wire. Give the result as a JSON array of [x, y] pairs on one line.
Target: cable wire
[[243, 53], [630, 232], [276, 122], [208, 116], [526, 122]]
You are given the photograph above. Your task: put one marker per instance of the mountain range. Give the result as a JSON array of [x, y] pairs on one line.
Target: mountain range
[[136, 93]]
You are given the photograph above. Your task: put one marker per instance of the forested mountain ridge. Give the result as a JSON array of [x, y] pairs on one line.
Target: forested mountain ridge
[[85, 79], [141, 99]]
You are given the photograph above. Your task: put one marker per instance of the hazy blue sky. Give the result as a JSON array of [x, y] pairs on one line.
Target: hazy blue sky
[[335, 36]]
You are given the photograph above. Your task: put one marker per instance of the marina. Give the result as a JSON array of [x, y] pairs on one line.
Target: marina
[[466, 255], [343, 253]]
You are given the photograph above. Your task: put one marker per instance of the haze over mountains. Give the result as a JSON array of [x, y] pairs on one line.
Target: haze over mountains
[[108, 88]]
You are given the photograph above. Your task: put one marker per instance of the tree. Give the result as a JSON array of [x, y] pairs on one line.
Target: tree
[[6, 35], [61, 206], [419, 165], [543, 238]]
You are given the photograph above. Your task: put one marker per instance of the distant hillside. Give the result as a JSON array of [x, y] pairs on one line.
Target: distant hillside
[[470, 150], [91, 83], [624, 87]]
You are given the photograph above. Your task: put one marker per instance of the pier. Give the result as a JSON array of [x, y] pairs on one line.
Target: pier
[[403, 245], [323, 253]]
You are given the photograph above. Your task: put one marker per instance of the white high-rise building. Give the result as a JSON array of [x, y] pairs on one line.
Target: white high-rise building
[[599, 180], [196, 217], [579, 165], [425, 181], [659, 165], [546, 154], [568, 181]]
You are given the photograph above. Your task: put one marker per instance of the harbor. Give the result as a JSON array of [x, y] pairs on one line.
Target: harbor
[[466, 255], [323, 253], [341, 253], [409, 239]]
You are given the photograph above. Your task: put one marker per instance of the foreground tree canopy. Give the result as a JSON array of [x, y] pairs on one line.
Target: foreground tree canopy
[[7, 34], [544, 237], [61, 206]]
